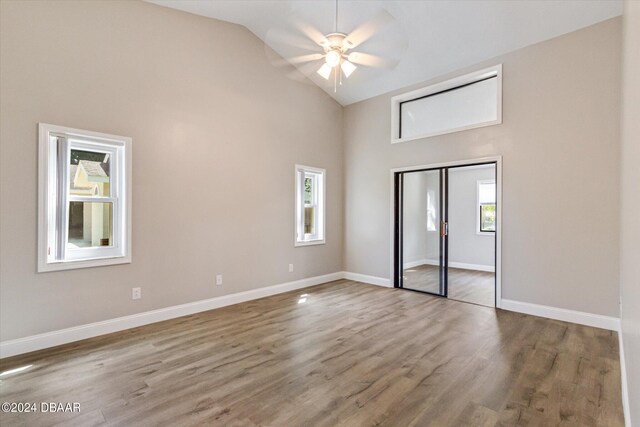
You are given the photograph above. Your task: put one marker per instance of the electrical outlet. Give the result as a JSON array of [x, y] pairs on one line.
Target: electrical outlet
[[136, 293], [290, 268], [219, 279]]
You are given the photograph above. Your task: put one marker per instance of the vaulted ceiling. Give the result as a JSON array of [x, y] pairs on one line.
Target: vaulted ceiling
[[428, 38]]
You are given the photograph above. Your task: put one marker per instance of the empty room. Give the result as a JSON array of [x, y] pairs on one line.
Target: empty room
[[319, 212]]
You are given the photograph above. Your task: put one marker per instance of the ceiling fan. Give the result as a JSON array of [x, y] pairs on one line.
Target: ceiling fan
[[335, 56]]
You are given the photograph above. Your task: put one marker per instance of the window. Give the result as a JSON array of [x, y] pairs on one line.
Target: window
[[467, 102], [84, 199], [310, 197], [486, 223]]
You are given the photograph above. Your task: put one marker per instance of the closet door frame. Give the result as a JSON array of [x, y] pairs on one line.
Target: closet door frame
[[398, 239], [396, 216]]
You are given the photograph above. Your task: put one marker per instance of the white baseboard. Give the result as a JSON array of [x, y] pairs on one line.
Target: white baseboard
[[579, 317], [452, 264], [623, 379], [477, 267], [372, 280], [76, 333], [68, 335], [411, 264]]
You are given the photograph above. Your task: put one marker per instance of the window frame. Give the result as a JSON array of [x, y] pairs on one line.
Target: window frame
[[451, 84], [479, 205], [319, 196], [54, 198]]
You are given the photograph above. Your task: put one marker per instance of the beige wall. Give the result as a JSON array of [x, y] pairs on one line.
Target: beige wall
[[216, 133], [416, 236], [630, 220], [560, 146]]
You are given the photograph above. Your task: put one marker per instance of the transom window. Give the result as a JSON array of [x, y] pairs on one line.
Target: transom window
[[310, 198], [486, 223], [84, 199], [466, 102]]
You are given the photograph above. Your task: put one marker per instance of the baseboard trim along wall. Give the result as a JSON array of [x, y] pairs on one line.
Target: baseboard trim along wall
[[452, 264], [90, 330], [477, 267], [77, 333], [625, 387], [411, 264], [371, 280], [579, 317]]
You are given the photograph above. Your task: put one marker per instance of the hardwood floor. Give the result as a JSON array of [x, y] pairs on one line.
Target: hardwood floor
[[341, 353], [476, 287]]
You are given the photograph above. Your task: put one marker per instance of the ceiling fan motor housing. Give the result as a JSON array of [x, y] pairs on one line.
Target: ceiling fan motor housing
[[337, 42]]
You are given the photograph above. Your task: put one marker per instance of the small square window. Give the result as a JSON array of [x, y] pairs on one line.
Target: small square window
[[85, 199]]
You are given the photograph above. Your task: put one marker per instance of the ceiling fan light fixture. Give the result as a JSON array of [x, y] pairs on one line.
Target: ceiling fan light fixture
[[347, 68], [332, 58], [335, 59], [325, 71]]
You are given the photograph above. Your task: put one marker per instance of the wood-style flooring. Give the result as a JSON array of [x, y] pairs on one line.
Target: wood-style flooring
[[341, 353], [476, 287]]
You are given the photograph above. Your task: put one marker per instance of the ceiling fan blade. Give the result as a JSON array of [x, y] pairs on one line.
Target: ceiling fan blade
[[278, 38], [295, 60], [365, 31], [310, 31], [303, 73], [370, 60], [305, 58], [294, 45]]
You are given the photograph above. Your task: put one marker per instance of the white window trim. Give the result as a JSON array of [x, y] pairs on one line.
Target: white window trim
[[47, 194], [299, 201], [479, 183], [438, 87]]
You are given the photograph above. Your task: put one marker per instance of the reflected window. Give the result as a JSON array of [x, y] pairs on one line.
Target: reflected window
[[486, 222]]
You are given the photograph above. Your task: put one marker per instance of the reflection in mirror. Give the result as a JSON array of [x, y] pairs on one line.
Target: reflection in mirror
[[421, 223]]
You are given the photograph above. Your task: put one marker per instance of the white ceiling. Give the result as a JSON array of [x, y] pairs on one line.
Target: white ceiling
[[430, 38]]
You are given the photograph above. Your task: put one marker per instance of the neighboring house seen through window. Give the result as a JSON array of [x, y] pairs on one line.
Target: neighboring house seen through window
[[310, 199], [84, 199]]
